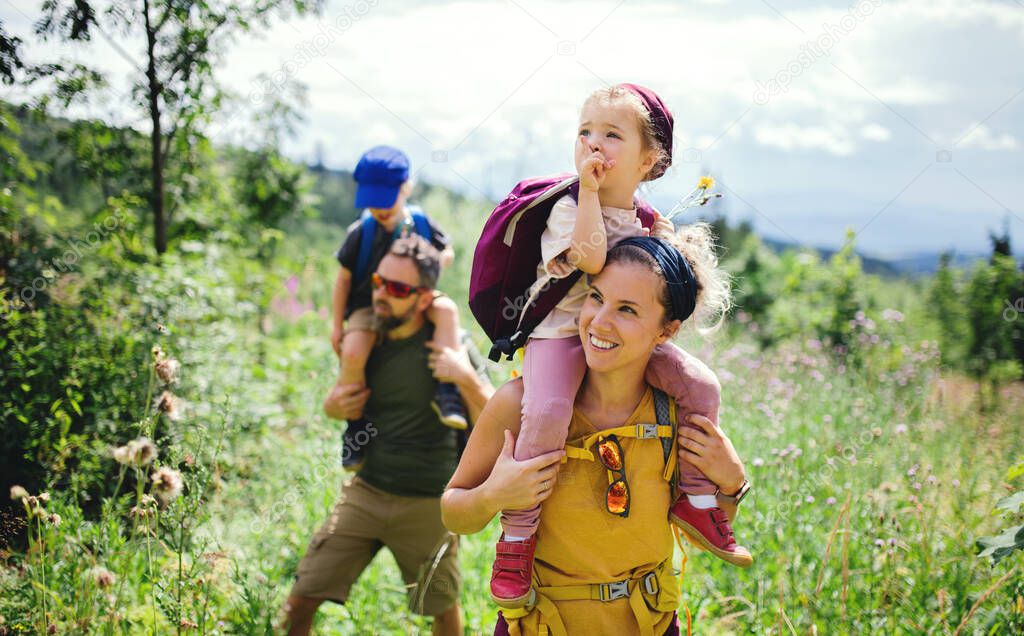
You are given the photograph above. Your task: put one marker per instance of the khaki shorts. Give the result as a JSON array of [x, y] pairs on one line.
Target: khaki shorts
[[363, 520], [361, 319]]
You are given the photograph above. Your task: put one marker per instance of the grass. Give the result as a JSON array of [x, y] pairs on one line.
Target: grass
[[867, 498], [873, 477]]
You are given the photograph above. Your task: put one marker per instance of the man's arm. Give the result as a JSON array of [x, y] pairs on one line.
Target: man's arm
[[455, 366]]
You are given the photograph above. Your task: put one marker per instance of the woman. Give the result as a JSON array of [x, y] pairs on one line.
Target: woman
[[596, 567]]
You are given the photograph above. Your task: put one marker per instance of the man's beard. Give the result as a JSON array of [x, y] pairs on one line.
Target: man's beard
[[389, 322]]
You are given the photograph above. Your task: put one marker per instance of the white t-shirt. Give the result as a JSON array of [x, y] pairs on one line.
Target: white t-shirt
[[563, 320]]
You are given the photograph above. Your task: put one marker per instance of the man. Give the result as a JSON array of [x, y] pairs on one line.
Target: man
[[383, 188], [394, 498]]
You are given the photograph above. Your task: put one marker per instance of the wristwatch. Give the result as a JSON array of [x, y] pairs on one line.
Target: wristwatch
[[738, 496]]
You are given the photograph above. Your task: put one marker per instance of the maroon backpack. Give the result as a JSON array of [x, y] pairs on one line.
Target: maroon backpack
[[506, 258]]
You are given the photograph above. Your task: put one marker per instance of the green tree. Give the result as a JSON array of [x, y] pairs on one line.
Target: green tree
[[175, 86], [995, 325], [946, 307]]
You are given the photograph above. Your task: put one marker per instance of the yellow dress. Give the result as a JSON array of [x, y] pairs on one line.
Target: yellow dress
[[579, 542]]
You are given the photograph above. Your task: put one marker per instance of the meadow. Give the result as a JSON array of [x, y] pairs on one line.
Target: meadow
[[876, 467]]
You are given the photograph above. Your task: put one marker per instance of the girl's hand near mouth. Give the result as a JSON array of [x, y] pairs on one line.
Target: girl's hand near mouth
[[594, 169]]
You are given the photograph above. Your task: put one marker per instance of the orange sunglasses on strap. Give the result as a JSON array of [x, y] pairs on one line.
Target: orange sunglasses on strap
[[617, 496]]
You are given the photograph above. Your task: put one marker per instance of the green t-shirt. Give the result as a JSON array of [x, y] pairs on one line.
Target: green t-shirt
[[411, 453]]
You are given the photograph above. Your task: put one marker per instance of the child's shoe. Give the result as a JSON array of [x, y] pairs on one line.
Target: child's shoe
[[353, 445], [449, 406], [709, 528], [512, 574]]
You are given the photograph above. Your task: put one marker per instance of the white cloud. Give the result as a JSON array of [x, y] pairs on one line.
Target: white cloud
[[875, 132], [794, 137], [982, 137], [426, 75]]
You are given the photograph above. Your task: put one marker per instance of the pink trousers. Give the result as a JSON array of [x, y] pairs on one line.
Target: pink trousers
[[553, 371]]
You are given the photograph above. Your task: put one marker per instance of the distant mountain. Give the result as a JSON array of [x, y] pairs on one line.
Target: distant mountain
[[336, 190], [916, 264]]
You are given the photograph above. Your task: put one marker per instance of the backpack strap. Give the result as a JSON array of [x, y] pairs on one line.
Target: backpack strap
[[665, 431], [419, 219], [664, 418], [663, 414], [368, 232], [537, 309]]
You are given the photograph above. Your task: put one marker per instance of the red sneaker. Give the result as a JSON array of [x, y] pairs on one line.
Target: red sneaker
[[512, 575], [710, 529]]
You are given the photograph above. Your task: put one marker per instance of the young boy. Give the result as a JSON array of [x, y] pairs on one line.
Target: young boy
[[382, 187]]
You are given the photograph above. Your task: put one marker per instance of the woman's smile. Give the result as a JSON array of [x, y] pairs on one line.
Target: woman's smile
[[600, 343]]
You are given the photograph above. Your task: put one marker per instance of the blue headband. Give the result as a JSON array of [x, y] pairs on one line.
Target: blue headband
[[682, 285]]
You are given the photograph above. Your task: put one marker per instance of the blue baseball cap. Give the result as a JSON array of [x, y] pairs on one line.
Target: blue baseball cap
[[379, 175]]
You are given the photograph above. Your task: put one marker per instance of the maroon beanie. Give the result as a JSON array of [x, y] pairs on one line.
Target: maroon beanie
[[661, 117]]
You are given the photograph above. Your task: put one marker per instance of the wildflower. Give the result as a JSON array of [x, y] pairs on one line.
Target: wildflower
[[955, 483], [831, 501], [168, 405], [122, 455], [706, 183], [54, 519], [167, 370], [757, 461], [103, 577], [167, 484], [827, 418], [912, 471], [143, 451], [917, 485], [879, 543], [18, 493], [810, 499], [44, 497], [892, 315], [138, 452], [932, 479], [900, 429]]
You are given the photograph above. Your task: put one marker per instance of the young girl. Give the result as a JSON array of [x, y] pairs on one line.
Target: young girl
[[624, 139]]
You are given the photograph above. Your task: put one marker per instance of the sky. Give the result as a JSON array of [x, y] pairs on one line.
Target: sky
[[900, 120]]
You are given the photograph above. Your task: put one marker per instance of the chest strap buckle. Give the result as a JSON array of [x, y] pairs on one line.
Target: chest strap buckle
[[650, 581], [647, 431], [616, 590]]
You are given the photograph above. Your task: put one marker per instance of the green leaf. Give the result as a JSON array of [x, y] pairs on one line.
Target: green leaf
[[1003, 544], [1011, 503], [1015, 472]]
